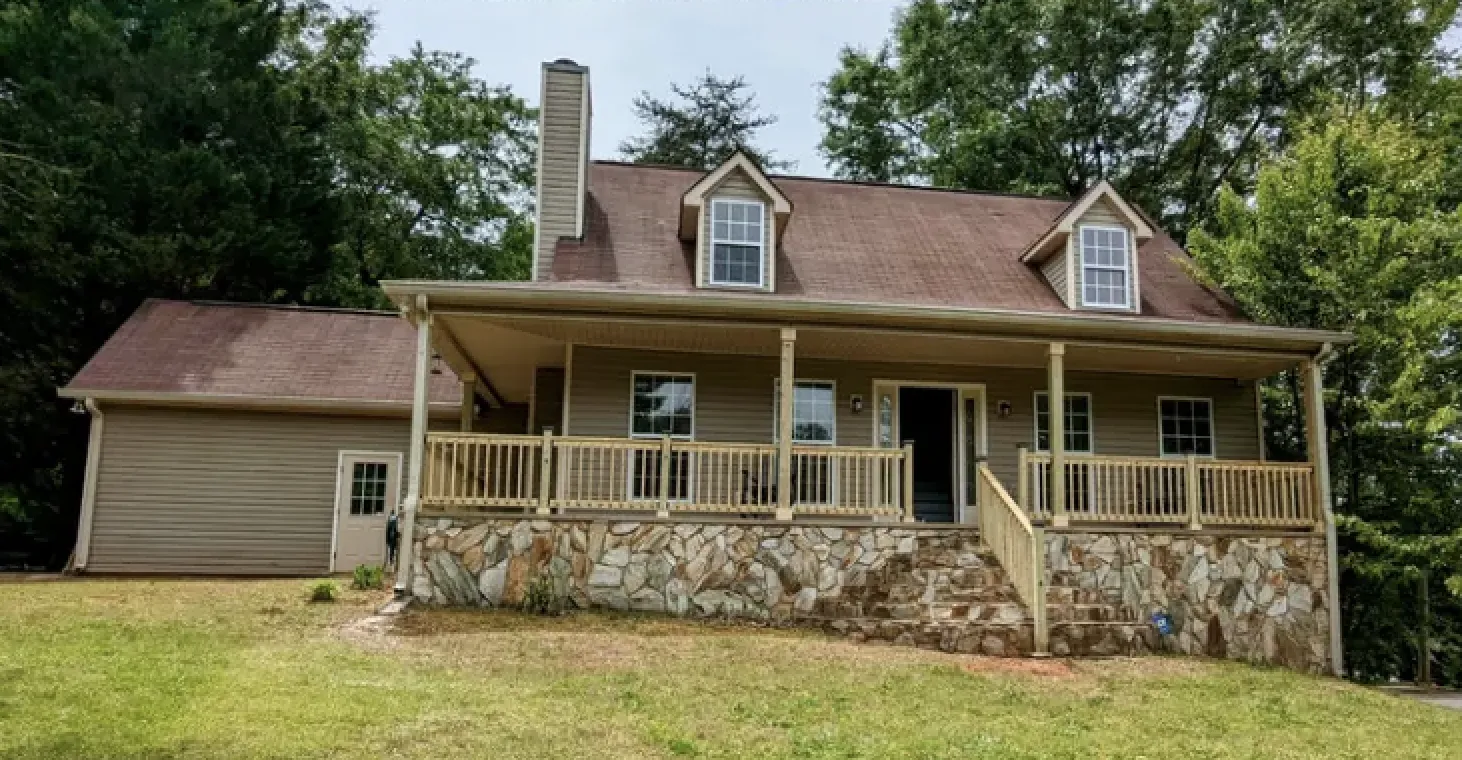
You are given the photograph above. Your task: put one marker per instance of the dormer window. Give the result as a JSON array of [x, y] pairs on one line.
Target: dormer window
[[738, 243], [1089, 254], [1106, 268]]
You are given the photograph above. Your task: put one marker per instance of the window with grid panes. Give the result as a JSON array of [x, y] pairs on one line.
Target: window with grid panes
[[1078, 422], [1106, 272], [1187, 426], [737, 243], [661, 405], [368, 488]]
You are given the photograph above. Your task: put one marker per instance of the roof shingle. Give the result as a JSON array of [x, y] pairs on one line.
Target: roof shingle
[[849, 241], [276, 352]]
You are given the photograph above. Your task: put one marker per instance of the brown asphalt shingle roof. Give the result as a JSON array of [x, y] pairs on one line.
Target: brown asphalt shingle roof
[[276, 352], [850, 241]]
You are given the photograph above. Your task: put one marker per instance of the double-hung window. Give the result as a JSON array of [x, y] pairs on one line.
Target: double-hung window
[[814, 422], [1187, 426], [661, 404], [1106, 268], [1078, 422], [738, 243], [1078, 441]]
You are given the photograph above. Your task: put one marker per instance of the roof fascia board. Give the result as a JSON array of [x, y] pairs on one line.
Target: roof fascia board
[[455, 295], [258, 403], [1233, 353]]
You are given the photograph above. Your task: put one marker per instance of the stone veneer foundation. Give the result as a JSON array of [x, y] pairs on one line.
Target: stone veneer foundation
[[1258, 598]]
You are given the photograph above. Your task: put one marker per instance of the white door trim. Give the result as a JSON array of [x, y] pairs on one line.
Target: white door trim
[[961, 392], [340, 457]]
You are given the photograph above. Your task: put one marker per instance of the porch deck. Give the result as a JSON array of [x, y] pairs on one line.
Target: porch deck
[[473, 472]]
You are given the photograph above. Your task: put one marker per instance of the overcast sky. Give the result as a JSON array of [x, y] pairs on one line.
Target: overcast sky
[[784, 49]]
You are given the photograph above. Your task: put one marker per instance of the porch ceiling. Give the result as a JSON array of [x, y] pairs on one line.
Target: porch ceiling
[[512, 344]]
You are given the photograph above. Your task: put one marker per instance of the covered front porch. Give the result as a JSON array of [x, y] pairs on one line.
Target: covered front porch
[[665, 415], [677, 421]]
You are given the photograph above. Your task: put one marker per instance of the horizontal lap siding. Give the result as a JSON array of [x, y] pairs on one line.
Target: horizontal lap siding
[[184, 491], [1055, 271], [734, 397], [561, 161]]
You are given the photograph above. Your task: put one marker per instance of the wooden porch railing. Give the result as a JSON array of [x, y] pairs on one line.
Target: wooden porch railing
[[1189, 491], [1019, 545], [481, 471]]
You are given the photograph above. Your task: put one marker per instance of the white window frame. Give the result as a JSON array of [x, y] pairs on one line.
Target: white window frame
[[777, 410], [1212, 428], [712, 241], [832, 467], [629, 489], [1036, 422], [1127, 270]]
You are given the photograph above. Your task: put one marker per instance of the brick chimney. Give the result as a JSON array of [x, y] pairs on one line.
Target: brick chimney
[[563, 160]]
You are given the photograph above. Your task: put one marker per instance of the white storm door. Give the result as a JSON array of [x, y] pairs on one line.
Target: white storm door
[[367, 490]]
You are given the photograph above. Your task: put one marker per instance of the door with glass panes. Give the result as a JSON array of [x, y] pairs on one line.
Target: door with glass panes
[[368, 487]]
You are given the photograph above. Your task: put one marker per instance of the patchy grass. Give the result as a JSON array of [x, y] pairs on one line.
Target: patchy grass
[[195, 669]]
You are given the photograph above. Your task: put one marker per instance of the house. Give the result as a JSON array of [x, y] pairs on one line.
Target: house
[[881, 406]]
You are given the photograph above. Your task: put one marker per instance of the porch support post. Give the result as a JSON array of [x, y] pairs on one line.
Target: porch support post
[[420, 380], [1056, 403], [786, 382], [469, 398], [1313, 375]]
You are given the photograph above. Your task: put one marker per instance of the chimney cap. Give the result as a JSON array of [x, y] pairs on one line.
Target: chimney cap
[[565, 64]]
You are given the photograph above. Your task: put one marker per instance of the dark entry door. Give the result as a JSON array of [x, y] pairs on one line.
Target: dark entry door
[[926, 418]]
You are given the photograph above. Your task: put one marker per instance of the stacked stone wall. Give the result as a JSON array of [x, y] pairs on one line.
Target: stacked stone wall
[[1260, 598]]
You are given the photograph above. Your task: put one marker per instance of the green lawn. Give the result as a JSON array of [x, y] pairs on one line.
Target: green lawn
[[180, 669]]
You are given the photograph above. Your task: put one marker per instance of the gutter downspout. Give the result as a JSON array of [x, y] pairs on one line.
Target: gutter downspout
[[88, 488], [1322, 463]]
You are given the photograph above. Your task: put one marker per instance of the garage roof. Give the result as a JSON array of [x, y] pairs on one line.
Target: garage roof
[[230, 352]]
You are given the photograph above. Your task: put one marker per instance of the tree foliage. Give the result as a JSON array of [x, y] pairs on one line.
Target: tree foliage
[[702, 127], [1170, 100], [219, 149], [1353, 229]]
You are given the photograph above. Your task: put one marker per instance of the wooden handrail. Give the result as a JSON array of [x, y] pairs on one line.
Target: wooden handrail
[[1020, 547]]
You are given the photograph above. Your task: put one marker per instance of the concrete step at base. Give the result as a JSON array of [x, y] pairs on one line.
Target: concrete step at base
[[994, 639], [1089, 613], [1066, 594], [1000, 639]]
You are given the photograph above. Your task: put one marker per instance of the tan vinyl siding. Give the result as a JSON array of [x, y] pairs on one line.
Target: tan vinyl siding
[[561, 161], [191, 491], [741, 187], [1101, 213], [734, 400], [1055, 271]]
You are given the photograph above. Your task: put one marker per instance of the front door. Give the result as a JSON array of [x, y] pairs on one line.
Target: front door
[[367, 490], [927, 419]]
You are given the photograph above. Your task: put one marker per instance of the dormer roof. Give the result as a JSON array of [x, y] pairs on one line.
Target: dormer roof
[[695, 197], [1054, 238]]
